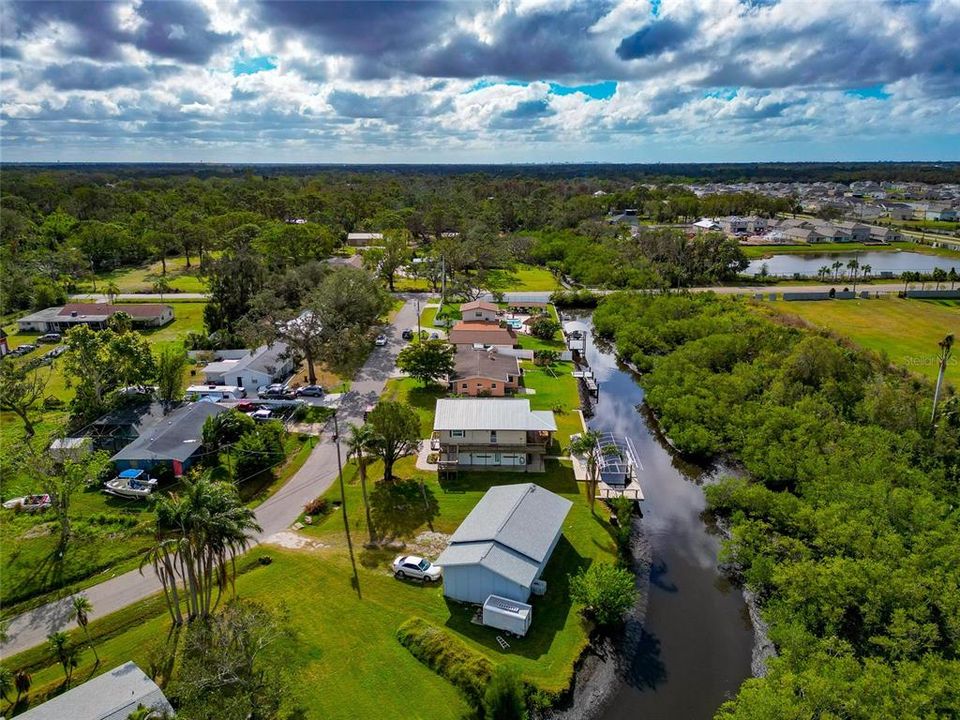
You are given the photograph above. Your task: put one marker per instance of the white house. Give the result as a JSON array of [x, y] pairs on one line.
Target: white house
[[364, 239], [504, 544], [265, 365], [492, 433], [479, 311]]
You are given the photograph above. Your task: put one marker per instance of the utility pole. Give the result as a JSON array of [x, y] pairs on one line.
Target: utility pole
[[946, 346], [418, 320], [343, 503]]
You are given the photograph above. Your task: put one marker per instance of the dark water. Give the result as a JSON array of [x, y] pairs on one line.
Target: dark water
[[893, 262], [697, 640]]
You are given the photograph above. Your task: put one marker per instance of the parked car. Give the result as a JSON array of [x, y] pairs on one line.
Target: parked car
[[407, 334], [50, 338], [263, 414], [414, 567], [310, 391], [277, 391], [381, 340], [434, 336]]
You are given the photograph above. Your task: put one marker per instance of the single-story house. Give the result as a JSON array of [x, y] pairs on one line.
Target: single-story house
[[882, 234], [364, 239], [96, 315], [504, 544], [943, 214], [832, 233], [484, 372], [265, 365], [111, 696], [481, 333], [174, 442], [479, 311], [858, 232], [118, 428], [496, 433], [706, 225], [899, 211], [799, 234]]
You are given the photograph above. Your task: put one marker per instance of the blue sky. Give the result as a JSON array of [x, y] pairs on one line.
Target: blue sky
[[495, 81]]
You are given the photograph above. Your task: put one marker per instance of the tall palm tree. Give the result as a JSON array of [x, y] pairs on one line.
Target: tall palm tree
[[200, 532], [586, 445], [823, 272], [952, 277], [82, 607], [853, 266], [161, 285], [837, 264], [865, 271], [359, 443], [22, 681], [112, 291]]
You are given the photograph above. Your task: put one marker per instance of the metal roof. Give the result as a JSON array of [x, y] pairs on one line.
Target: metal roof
[[111, 696], [176, 437], [509, 531], [491, 414]]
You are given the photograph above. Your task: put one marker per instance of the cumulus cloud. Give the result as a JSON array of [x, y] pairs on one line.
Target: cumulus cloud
[[486, 80]]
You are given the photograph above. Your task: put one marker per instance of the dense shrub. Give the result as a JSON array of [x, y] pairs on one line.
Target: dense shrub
[[447, 656], [504, 698], [606, 592]]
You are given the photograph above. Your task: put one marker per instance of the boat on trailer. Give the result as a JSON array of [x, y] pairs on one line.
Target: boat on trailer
[[132, 484], [29, 503]]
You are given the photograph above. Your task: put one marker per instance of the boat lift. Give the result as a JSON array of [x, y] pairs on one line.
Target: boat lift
[[618, 468]]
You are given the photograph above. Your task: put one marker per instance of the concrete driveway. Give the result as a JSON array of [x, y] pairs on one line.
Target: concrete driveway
[[277, 513]]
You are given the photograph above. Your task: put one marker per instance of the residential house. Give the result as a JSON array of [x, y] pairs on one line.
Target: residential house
[[482, 333], [479, 311], [858, 232], [504, 544], [883, 234], [802, 235], [355, 261], [364, 239], [899, 211], [734, 225], [262, 366], [492, 433], [115, 695], [832, 232], [95, 315], [174, 442], [484, 372], [118, 428], [706, 225], [4, 347], [941, 213]]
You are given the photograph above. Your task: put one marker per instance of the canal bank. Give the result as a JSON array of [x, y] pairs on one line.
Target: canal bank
[[689, 643]]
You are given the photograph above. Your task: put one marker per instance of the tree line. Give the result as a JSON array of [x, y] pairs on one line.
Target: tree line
[[844, 524]]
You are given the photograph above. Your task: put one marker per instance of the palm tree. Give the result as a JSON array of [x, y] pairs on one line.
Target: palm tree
[[161, 285], [65, 653], [939, 276], [199, 534], [823, 272], [946, 348], [112, 290], [586, 445], [837, 264], [907, 277], [145, 713], [865, 271], [82, 607], [853, 265], [359, 443], [952, 277], [22, 681]]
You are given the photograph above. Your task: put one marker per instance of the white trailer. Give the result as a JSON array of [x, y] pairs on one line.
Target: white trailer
[[510, 615], [216, 392]]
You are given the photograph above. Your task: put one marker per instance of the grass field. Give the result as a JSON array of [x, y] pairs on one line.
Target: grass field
[[906, 330], [524, 278], [141, 279]]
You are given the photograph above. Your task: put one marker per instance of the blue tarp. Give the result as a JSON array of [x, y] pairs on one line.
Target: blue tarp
[[131, 474]]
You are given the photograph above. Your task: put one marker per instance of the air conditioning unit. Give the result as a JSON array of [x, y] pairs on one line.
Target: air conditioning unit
[[538, 587]]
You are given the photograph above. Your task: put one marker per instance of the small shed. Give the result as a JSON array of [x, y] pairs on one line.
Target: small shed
[[70, 448], [512, 616]]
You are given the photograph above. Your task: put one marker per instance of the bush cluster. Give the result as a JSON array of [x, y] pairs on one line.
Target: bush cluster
[[447, 656]]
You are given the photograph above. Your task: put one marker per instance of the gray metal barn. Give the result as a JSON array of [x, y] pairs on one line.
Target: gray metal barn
[[504, 544]]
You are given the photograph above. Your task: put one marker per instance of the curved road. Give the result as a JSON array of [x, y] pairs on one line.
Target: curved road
[[276, 513]]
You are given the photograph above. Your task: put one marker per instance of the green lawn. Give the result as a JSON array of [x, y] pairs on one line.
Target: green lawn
[[556, 389], [140, 280], [524, 278], [907, 330]]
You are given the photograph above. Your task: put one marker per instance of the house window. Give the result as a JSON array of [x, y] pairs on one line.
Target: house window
[[456, 433], [493, 386], [464, 386], [493, 437]]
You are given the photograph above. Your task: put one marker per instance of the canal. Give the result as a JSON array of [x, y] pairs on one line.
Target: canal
[[697, 639]]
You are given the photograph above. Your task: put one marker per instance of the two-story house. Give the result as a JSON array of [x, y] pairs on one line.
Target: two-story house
[[474, 434]]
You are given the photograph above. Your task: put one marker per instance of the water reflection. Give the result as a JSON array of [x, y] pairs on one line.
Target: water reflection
[[694, 646]]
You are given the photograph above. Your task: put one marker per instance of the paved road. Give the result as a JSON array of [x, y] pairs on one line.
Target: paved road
[[541, 296], [277, 513]]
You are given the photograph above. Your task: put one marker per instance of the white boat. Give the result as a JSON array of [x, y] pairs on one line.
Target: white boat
[[29, 503], [132, 484]]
